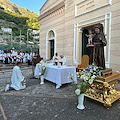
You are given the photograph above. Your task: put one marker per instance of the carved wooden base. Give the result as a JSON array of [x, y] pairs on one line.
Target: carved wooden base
[[107, 71], [104, 92]]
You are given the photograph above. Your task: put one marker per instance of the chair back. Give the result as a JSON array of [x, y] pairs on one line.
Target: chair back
[[85, 61]]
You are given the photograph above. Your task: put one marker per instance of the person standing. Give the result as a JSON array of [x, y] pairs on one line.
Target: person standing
[[16, 79]]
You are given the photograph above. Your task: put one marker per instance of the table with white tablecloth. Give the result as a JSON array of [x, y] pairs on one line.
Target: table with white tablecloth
[[57, 75]]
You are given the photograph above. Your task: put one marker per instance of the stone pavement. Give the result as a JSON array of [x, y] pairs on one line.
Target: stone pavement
[[45, 102]]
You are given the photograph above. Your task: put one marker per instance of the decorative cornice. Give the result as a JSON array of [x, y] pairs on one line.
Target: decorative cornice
[[57, 7]]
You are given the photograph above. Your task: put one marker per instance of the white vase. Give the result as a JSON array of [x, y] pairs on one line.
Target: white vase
[[42, 79], [80, 102]]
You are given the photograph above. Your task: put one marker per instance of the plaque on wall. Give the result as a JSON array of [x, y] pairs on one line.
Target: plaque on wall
[[86, 6]]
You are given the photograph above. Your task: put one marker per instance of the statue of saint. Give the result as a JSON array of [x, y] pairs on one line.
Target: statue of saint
[[99, 42]]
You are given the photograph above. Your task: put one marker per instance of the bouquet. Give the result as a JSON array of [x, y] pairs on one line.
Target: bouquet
[[42, 70], [86, 78]]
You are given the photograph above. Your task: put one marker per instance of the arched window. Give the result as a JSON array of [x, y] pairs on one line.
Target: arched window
[[51, 34], [50, 44]]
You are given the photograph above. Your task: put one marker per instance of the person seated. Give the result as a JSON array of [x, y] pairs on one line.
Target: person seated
[[25, 57], [16, 79], [6, 56], [29, 58], [63, 60], [1, 51], [55, 58], [22, 55], [1, 57], [35, 54], [32, 54], [10, 57], [14, 55]]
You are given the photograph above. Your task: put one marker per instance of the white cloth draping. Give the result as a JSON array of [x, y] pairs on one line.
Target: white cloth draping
[[17, 78], [57, 75]]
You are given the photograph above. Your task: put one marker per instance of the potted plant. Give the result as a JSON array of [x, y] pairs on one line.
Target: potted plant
[[86, 78], [42, 71]]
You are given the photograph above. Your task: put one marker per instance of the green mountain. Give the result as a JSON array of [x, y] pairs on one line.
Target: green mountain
[[13, 8], [17, 18]]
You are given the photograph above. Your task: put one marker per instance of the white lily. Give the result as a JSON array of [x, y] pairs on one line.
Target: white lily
[[77, 91], [93, 77], [90, 81]]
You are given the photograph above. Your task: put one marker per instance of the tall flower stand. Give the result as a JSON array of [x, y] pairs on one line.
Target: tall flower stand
[[42, 79], [80, 102]]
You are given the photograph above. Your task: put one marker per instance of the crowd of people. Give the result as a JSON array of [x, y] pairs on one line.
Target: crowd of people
[[18, 81], [12, 56]]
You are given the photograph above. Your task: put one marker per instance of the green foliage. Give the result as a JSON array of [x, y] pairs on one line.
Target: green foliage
[[83, 86], [24, 47], [19, 19], [33, 23], [20, 23], [1, 8]]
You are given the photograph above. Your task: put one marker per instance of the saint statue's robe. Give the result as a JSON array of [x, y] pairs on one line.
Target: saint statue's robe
[[99, 42], [17, 78]]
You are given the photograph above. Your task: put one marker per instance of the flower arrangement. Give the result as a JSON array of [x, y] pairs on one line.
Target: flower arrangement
[[43, 68], [86, 77]]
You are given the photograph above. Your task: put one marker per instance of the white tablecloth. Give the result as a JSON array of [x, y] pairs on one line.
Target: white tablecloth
[[57, 75]]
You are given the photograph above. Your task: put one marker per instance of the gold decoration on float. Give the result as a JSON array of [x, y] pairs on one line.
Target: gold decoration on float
[[104, 91]]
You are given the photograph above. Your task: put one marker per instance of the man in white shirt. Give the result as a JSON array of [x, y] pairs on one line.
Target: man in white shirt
[[55, 58], [1, 57], [1, 51], [32, 54], [10, 57], [29, 58], [14, 55], [21, 55], [63, 59], [16, 79], [6, 56]]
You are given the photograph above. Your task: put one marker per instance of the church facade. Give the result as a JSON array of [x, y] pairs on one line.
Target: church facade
[[65, 23]]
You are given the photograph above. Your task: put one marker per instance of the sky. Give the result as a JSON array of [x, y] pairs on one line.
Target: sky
[[33, 5]]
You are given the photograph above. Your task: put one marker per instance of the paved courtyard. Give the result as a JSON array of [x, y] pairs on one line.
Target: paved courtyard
[[45, 102]]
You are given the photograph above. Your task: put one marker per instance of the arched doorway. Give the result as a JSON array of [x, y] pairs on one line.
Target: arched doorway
[[50, 44]]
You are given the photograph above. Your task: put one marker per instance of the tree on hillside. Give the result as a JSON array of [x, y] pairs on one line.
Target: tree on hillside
[[33, 23]]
